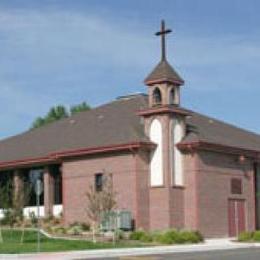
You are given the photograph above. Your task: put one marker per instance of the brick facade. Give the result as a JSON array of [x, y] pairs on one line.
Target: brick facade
[[201, 204], [214, 174], [78, 175]]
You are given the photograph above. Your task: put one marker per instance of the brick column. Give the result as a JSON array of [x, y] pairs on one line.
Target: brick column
[[48, 192], [17, 188]]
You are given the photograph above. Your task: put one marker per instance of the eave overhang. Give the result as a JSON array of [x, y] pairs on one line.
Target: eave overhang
[[58, 157], [203, 145], [163, 110]]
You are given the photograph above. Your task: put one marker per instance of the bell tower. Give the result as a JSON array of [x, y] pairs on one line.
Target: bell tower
[[163, 82], [164, 121]]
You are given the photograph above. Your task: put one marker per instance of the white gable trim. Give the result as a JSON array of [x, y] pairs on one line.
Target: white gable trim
[[178, 132], [156, 166]]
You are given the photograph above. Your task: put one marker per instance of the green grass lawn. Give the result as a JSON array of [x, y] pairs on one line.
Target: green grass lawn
[[12, 245]]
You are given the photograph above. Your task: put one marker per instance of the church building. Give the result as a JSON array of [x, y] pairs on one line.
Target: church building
[[171, 167]]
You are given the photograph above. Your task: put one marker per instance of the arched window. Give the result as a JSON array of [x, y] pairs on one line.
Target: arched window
[[157, 97], [156, 166], [178, 133], [172, 96]]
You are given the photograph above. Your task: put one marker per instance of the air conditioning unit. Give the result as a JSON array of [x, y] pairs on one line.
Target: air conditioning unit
[[117, 219]]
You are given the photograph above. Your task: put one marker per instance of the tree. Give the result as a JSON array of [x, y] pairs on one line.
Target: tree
[[58, 112], [54, 114], [6, 202], [20, 201], [100, 202], [12, 201], [79, 108]]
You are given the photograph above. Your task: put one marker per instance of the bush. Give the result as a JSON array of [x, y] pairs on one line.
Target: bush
[[136, 235], [199, 236], [256, 236], [165, 238], [245, 236], [60, 230], [75, 230], [85, 226], [168, 237], [33, 218], [119, 234], [178, 237], [146, 237], [188, 237]]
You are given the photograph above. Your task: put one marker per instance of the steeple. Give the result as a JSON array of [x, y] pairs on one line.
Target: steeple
[[163, 72]]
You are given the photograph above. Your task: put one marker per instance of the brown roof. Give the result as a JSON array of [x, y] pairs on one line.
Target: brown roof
[[114, 124], [110, 124], [206, 129], [164, 72]]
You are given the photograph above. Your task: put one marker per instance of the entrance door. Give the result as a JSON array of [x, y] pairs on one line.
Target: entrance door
[[236, 217]]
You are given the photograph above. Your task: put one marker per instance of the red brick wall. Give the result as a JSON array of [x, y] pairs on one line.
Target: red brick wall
[[79, 174], [177, 207], [159, 208], [200, 205], [142, 190], [190, 192], [214, 174]]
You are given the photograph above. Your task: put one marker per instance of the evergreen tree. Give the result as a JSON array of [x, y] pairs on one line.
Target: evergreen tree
[[58, 112], [79, 108]]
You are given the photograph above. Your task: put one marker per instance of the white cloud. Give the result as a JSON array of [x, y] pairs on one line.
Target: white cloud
[[42, 50]]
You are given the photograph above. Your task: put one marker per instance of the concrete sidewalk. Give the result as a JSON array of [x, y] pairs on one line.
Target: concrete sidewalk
[[209, 245]]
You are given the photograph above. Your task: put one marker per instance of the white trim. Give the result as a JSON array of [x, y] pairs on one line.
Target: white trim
[[178, 133], [156, 165], [29, 210], [57, 210]]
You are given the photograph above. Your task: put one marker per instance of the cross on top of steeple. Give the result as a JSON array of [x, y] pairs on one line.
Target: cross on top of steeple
[[163, 32], [163, 72]]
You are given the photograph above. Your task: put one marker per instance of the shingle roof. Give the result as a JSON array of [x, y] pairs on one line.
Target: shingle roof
[[115, 123], [164, 72], [207, 129]]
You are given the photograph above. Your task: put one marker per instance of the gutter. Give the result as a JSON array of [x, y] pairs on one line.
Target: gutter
[[58, 156], [202, 145]]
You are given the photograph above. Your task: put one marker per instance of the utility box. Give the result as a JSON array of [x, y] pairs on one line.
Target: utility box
[[118, 219]]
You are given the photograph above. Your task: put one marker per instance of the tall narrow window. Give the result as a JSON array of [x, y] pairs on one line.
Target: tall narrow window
[[178, 133], [157, 97], [156, 166], [99, 181], [172, 96], [57, 178]]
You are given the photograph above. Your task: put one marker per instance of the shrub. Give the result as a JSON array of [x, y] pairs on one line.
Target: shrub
[[146, 237], [85, 226], [75, 230], [199, 235], [256, 236], [9, 218], [245, 236], [119, 234], [166, 238], [33, 218], [178, 237], [136, 235], [188, 237], [60, 230]]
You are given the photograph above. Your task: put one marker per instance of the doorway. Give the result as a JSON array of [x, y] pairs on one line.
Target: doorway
[[236, 217]]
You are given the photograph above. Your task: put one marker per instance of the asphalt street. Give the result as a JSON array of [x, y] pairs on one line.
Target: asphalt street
[[238, 254]]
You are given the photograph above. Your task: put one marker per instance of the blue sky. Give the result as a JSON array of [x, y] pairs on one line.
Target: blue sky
[[66, 52]]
